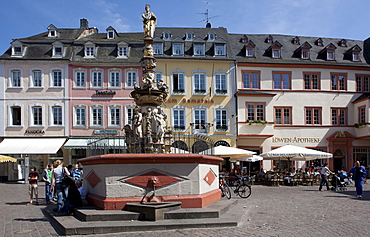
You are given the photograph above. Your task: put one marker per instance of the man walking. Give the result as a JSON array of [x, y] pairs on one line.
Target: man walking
[[47, 177], [358, 174], [324, 174]]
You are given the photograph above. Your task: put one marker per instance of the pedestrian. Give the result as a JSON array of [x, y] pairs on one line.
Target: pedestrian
[[324, 174], [32, 188], [83, 191], [358, 174], [76, 173], [60, 189], [47, 176]]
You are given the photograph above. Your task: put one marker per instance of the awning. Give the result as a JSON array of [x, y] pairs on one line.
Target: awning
[[80, 143], [31, 145], [75, 143], [7, 159]]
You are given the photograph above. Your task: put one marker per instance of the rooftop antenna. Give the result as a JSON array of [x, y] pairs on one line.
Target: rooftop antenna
[[208, 25]]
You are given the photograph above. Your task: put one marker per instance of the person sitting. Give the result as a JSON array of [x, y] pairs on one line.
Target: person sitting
[[83, 192], [74, 197]]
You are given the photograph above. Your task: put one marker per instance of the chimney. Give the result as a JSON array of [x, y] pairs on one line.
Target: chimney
[[84, 24]]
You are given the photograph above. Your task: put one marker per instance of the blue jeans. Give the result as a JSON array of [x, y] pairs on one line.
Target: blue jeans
[[323, 181], [62, 203], [48, 194], [358, 185]]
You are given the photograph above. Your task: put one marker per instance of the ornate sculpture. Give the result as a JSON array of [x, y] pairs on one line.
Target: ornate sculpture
[[160, 118], [150, 21], [137, 123]]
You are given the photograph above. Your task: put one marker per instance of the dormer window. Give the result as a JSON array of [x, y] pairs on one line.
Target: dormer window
[[189, 36], [17, 49], [249, 49], [111, 32], [244, 39], [178, 47], [220, 48], [269, 39], [122, 50], [328, 53], [158, 48], [303, 52], [275, 50], [353, 54], [319, 42], [89, 50], [199, 47], [276, 53], [343, 43], [52, 31], [166, 36], [211, 36], [57, 50], [296, 40]]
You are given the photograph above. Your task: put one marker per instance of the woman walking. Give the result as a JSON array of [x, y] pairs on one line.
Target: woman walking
[[60, 188]]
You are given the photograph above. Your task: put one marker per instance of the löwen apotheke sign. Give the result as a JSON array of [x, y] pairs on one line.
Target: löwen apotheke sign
[[296, 139]]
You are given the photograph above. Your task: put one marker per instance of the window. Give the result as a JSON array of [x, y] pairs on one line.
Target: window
[[305, 54], [89, 49], [189, 36], [36, 78], [178, 82], [198, 49], [251, 80], [362, 114], [123, 51], [249, 52], [330, 55], [199, 83], [179, 118], [211, 36], [56, 78], [177, 49], [363, 83], [110, 34], [80, 116], [17, 49], [158, 48], [57, 49], [283, 115], [255, 111], [276, 53], [281, 80], [96, 78], [131, 78], [200, 119], [220, 50], [114, 78], [221, 120], [221, 83], [80, 79], [15, 80], [37, 115], [338, 81], [311, 80], [57, 115], [115, 115], [158, 77], [16, 115], [130, 110], [319, 42], [355, 57], [313, 116], [338, 116], [166, 35], [96, 116]]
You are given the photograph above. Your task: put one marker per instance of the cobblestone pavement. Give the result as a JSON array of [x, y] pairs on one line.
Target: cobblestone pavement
[[273, 211]]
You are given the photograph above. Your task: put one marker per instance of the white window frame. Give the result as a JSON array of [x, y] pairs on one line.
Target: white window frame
[[15, 53], [189, 36], [110, 32], [178, 71], [227, 120], [158, 48], [196, 84], [76, 119], [55, 46], [199, 49], [330, 55], [90, 50], [200, 108], [131, 83], [75, 75], [175, 123], [119, 81], [218, 49], [166, 35], [51, 117], [32, 117], [158, 75], [211, 36], [249, 52], [10, 115], [218, 83], [129, 109], [93, 80], [178, 50], [52, 70], [32, 77], [110, 116], [92, 108], [276, 53], [305, 54], [11, 78]]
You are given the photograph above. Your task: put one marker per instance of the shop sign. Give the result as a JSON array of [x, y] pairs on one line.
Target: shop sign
[[296, 139], [106, 132], [36, 131], [100, 92]]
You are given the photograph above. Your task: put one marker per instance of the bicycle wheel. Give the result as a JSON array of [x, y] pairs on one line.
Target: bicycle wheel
[[244, 191], [227, 191]]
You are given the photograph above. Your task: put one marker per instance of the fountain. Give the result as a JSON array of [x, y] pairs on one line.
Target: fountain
[[149, 178]]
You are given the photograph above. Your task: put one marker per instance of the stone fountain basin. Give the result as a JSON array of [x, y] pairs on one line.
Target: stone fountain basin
[[152, 211]]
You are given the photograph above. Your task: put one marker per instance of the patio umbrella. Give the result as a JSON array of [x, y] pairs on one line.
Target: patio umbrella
[[295, 153], [254, 158], [225, 151], [7, 159]]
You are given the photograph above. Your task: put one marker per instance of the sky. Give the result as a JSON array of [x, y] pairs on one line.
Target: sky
[[316, 18]]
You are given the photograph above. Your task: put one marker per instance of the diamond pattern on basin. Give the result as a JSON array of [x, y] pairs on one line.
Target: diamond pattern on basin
[[145, 180], [92, 179], [210, 177]]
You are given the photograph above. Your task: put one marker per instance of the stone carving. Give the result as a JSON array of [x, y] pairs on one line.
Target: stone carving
[[137, 123], [150, 21], [160, 118]]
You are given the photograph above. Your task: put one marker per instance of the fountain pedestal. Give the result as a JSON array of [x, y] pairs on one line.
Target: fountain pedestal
[[153, 211]]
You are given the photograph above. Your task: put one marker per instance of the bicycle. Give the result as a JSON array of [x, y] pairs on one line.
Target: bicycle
[[225, 189], [242, 189]]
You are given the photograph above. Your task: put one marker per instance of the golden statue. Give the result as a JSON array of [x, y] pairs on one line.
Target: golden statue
[[150, 21]]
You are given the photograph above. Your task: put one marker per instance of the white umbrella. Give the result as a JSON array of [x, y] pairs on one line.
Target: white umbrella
[[295, 153], [225, 151], [176, 150], [254, 158]]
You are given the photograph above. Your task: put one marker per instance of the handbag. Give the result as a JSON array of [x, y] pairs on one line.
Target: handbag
[[66, 180]]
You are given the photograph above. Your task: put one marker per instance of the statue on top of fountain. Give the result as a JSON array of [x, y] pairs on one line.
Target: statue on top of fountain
[[150, 21]]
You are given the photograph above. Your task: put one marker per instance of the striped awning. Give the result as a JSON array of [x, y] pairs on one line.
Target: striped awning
[[7, 159]]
